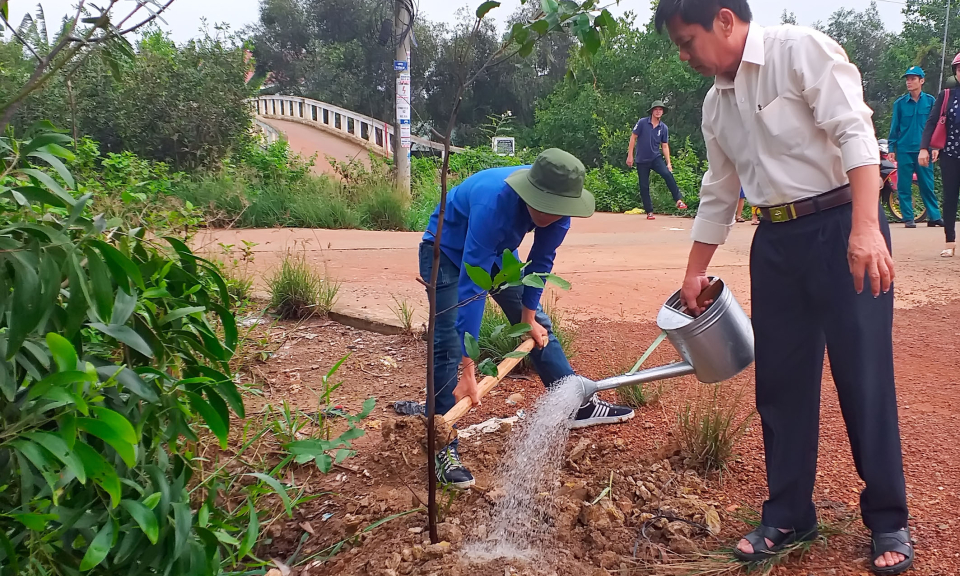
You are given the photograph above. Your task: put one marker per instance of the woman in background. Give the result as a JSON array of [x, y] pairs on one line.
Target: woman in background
[[949, 158]]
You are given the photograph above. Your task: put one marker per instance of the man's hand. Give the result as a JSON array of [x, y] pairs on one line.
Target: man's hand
[[923, 158], [868, 256], [630, 161], [892, 156], [539, 334], [867, 252], [670, 166], [695, 279], [693, 285], [467, 386]]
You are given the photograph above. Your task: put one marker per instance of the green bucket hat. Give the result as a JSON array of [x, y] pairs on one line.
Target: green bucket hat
[[658, 104], [554, 185]]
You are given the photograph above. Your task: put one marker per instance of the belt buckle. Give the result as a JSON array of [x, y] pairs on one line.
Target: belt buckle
[[781, 213]]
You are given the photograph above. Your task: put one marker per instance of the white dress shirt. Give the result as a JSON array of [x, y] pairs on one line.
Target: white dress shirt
[[790, 126]]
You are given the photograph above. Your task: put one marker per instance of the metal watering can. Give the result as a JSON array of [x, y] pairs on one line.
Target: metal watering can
[[715, 346]]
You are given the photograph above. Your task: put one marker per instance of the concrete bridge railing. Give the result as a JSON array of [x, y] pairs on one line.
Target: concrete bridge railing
[[376, 135]]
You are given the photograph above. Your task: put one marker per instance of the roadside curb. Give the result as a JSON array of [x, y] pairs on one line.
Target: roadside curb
[[366, 322], [354, 318]]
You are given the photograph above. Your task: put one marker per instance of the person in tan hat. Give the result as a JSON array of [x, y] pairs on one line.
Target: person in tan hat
[[488, 213], [650, 150]]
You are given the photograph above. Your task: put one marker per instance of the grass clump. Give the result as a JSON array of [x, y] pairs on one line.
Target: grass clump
[[403, 310], [494, 343], [708, 427], [639, 395], [297, 291], [384, 209]]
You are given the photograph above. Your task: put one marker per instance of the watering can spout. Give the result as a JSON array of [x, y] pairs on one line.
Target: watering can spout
[[675, 370]]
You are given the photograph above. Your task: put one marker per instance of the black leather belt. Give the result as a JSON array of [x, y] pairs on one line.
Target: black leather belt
[[801, 208]]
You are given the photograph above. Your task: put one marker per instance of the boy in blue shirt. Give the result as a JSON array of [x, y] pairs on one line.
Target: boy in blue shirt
[[910, 113], [488, 213]]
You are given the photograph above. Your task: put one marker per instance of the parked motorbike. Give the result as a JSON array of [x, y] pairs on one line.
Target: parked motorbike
[[888, 190]]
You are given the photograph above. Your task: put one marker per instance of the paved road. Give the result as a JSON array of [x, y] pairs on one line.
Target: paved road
[[621, 267], [309, 142]]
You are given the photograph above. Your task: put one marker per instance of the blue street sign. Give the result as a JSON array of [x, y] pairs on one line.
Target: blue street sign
[[399, 65]]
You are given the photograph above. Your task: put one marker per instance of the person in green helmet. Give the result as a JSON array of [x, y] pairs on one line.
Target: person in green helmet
[[490, 212], [650, 150]]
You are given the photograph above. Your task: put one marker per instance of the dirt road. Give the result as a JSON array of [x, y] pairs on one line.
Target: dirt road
[[309, 142], [621, 267]]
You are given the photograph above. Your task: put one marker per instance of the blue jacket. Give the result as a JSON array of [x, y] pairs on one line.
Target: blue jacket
[[909, 117], [484, 217]]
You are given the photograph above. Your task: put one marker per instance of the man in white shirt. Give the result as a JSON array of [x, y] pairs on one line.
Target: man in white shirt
[[786, 120]]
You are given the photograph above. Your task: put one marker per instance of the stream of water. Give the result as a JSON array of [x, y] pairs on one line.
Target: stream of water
[[528, 477]]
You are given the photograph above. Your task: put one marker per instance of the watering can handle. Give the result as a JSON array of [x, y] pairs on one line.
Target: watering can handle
[[711, 292]]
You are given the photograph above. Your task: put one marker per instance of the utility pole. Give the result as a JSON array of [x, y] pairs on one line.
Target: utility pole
[[943, 54], [403, 30]]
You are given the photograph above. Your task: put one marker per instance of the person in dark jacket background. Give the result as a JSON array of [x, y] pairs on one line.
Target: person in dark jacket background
[[949, 159]]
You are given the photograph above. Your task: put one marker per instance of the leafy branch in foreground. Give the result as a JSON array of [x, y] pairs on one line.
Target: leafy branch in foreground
[[114, 369], [82, 36]]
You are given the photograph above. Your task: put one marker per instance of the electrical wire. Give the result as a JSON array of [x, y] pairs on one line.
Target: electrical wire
[[411, 9], [387, 13]]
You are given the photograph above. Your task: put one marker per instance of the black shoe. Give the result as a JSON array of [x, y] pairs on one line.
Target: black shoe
[[597, 411], [452, 472], [410, 408], [909, 224], [934, 223]]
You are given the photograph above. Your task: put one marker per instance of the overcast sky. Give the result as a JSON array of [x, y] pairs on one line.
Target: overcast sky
[[183, 19]]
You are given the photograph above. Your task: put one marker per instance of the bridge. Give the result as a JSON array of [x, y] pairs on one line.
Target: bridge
[[314, 128]]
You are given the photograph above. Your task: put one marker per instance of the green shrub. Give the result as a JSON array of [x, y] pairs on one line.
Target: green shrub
[[274, 162], [297, 291], [615, 190], [114, 368], [331, 212], [618, 190], [384, 209]]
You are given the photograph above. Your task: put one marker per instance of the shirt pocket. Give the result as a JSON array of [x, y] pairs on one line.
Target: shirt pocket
[[781, 127]]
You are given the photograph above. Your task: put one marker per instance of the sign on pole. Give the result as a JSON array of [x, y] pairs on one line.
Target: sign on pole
[[403, 106]]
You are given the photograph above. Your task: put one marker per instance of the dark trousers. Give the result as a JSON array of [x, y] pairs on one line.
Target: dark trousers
[[660, 167], [551, 363], [802, 300], [950, 171]]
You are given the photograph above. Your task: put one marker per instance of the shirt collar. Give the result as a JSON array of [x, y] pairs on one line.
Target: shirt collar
[[753, 53]]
